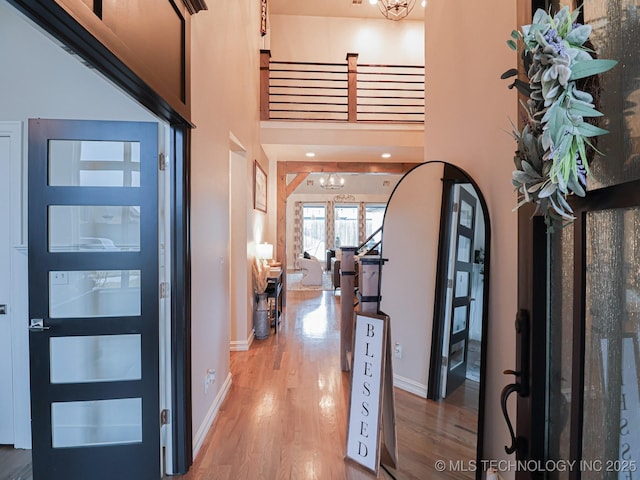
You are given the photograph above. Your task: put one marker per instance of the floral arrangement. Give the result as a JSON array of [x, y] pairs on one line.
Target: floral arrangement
[[260, 274], [551, 156]]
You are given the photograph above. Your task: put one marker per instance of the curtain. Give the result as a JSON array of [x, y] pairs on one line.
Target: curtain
[[297, 232], [362, 222], [330, 226]]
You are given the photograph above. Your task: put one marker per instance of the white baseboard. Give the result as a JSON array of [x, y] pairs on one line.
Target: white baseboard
[[201, 434], [242, 345], [410, 386]]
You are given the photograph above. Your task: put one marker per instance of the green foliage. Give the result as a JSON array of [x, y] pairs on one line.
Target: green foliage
[[551, 160]]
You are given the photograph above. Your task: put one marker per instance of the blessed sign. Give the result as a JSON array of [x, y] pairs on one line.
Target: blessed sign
[[367, 374]]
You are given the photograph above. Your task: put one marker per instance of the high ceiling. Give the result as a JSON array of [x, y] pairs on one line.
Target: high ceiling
[[334, 8], [367, 149]]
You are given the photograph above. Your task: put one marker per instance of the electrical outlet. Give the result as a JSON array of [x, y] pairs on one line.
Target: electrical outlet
[[209, 378], [397, 350]]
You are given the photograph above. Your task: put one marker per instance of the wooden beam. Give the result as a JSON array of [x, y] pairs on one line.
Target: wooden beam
[[265, 65], [350, 167], [295, 182], [352, 87], [281, 225]]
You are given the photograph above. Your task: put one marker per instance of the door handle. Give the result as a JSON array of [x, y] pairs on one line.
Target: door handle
[[521, 383], [37, 325], [506, 391]]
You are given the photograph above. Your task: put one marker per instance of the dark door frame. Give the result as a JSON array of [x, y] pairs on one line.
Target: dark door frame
[[52, 18], [450, 177]]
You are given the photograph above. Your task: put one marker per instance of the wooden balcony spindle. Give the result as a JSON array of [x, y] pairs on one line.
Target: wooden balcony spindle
[[265, 60], [352, 92]]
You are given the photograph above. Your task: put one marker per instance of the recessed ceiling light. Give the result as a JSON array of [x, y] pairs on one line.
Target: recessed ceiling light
[[386, 155], [309, 154], [373, 2], [424, 3]]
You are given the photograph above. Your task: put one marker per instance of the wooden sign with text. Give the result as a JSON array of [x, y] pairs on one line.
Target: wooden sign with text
[[371, 394]]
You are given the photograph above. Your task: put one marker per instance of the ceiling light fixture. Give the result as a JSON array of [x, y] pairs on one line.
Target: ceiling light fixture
[[386, 155], [396, 9], [310, 154], [332, 182]]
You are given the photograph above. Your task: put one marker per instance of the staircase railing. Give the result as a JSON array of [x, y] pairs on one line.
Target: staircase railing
[[368, 248], [341, 92]]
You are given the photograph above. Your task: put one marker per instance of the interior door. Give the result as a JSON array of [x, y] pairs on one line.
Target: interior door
[[6, 361], [93, 299], [461, 305]]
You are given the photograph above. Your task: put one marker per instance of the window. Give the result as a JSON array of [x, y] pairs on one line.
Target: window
[[314, 229], [374, 214], [346, 226]]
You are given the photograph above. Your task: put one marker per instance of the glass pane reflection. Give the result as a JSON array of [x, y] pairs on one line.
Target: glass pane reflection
[[101, 358], [560, 346], [612, 333], [464, 249], [83, 163], [459, 318], [86, 294], [466, 214], [82, 228], [98, 422], [456, 358]]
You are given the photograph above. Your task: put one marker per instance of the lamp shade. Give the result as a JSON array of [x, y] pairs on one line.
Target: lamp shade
[[264, 251]]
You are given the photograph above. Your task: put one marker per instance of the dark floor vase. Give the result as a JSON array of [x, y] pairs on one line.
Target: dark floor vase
[[261, 317]]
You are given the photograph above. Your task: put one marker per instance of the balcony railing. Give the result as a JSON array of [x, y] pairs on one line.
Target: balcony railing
[[341, 92]]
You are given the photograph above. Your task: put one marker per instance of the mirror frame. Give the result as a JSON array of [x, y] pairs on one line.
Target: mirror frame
[[485, 297]]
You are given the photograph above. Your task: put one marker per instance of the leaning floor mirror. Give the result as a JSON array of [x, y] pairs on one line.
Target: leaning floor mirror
[[434, 288]]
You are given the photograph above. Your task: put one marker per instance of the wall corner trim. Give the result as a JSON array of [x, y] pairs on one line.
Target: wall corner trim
[[242, 345], [201, 434], [410, 386]]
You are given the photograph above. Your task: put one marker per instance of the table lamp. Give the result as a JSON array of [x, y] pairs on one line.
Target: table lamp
[[264, 251]]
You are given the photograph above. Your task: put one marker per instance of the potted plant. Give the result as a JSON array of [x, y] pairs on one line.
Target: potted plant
[[261, 312]]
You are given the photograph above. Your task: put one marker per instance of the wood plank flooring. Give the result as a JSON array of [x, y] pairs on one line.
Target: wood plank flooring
[[286, 413]]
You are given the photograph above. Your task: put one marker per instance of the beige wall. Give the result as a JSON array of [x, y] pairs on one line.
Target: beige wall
[[468, 110], [410, 243], [329, 39], [225, 86]]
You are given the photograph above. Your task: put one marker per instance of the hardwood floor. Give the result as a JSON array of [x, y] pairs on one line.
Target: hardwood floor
[[15, 464], [286, 413]]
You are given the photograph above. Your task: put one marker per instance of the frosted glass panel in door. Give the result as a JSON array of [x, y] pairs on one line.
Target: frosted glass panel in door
[[462, 284], [100, 358], [466, 214], [456, 357], [612, 326], [83, 163], [91, 293], [560, 346], [97, 422], [94, 228], [464, 249], [459, 318]]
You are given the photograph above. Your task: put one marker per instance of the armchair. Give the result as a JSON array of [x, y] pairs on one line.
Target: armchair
[[311, 271]]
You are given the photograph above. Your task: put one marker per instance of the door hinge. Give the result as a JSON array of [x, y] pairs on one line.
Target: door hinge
[[164, 289], [455, 207], [162, 162], [164, 417], [450, 283]]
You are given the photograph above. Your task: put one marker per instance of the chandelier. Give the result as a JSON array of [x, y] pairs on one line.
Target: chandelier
[[332, 182], [396, 9]]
